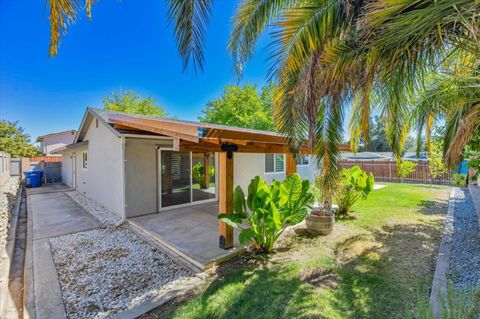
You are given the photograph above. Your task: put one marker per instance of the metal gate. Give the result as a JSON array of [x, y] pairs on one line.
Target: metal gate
[[15, 167]]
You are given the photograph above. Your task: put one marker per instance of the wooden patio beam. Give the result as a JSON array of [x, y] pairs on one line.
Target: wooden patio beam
[[225, 205], [291, 166]]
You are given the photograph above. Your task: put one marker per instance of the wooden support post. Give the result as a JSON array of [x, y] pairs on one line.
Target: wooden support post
[[225, 198], [291, 164], [206, 169]]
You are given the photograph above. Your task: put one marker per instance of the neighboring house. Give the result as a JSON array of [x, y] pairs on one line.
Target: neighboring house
[[137, 165], [53, 141], [383, 156]]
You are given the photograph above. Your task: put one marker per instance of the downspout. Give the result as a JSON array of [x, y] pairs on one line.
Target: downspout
[[124, 176]]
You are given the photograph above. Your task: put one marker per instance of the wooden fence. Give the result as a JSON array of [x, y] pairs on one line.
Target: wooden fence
[[386, 171]]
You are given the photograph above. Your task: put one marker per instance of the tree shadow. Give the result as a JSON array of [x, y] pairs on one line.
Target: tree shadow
[[376, 274], [382, 280], [433, 207]]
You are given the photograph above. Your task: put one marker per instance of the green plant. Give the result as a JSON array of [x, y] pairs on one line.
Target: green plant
[[459, 179], [269, 209], [455, 304], [353, 185], [198, 174], [404, 168]]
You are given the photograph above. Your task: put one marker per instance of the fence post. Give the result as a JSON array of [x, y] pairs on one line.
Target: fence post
[[390, 171]]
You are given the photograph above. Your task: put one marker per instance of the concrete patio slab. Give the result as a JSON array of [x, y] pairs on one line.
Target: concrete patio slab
[[191, 232], [56, 214]]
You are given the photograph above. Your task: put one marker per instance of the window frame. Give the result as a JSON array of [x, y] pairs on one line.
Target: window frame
[[85, 160], [274, 164], [302, 157]]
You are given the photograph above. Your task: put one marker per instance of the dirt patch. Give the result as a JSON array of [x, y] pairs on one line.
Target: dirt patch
[[320, 278]]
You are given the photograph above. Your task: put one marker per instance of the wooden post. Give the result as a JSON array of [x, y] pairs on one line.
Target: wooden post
[[291, 166], [206, 164], [225, 198]]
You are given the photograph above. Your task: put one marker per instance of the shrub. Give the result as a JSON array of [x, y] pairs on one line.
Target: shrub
[[459, 179], [269, 209], [404, 168], [198, 174], [353, 185]]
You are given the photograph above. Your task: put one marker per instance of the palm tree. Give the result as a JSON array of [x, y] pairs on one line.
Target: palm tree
[[329, 54], [451, 94]]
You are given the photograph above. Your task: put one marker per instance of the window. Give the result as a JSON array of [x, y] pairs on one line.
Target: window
[[85, 160], [274, 163], [303, 160]]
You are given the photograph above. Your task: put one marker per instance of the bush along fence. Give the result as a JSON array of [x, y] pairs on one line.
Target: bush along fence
[[386, 171], [50, 165]]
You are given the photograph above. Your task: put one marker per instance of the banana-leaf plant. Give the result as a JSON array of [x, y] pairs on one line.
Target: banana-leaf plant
[[269, 209], [353, 184]]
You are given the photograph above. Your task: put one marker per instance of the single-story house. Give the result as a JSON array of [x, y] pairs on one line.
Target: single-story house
[[382, 156], [53, 141], [137, 165]]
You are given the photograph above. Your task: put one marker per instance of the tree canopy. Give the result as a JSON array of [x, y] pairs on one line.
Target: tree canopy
[[14, 141], [131, 102], [244, 106]]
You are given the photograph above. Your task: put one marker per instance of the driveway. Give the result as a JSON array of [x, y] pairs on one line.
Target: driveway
[[51, 213]]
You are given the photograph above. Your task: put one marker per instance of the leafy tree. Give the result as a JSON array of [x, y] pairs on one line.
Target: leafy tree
[[241, 106], [130, 102], [14, 141], [404, 168], [436, 164]]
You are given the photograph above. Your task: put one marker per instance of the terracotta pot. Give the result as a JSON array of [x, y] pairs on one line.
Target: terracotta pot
[[320, 222]]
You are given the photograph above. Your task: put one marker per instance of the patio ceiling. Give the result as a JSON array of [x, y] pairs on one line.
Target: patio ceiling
[[200, 137]]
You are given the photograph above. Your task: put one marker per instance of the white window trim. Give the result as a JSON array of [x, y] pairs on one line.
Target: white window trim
[[303, 165], [274, 165], [83, 160]]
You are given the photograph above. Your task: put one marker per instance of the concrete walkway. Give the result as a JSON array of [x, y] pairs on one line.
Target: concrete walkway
[[51, 213]]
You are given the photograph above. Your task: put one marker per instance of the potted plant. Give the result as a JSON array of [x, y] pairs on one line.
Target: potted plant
[[322, 218]]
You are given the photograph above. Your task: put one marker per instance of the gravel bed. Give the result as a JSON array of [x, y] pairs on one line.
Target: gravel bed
[[464, 269], [106, 217], [104, 271], [8, 195]]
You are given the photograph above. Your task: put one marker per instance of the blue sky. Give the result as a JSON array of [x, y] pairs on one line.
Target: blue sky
[[128, 45]]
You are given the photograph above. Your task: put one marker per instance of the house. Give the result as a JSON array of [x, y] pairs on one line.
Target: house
[[139, 165], [53, 141], [382, 156]]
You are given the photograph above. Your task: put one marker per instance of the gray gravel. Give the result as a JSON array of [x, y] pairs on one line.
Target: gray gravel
[[465, 255], [106, 217], [104, 271], [8, 194]]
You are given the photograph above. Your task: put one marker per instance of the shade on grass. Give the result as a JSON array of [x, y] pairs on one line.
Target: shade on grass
[[369, 267]]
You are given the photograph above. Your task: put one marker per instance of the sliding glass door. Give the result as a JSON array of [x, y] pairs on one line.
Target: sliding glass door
[[186, 177]]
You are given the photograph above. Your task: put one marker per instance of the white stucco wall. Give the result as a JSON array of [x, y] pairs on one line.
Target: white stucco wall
[[67, 168], [103, 180], [53, 142], [141, 175], [247, 166]]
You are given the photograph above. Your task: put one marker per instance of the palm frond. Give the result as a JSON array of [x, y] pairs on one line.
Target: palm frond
[[251, 19], [62, 12], [190, 18]]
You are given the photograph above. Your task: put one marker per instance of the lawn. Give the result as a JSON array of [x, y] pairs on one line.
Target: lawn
[[374, 265]]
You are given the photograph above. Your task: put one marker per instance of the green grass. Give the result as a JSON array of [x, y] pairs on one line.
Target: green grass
[[370, 267]]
